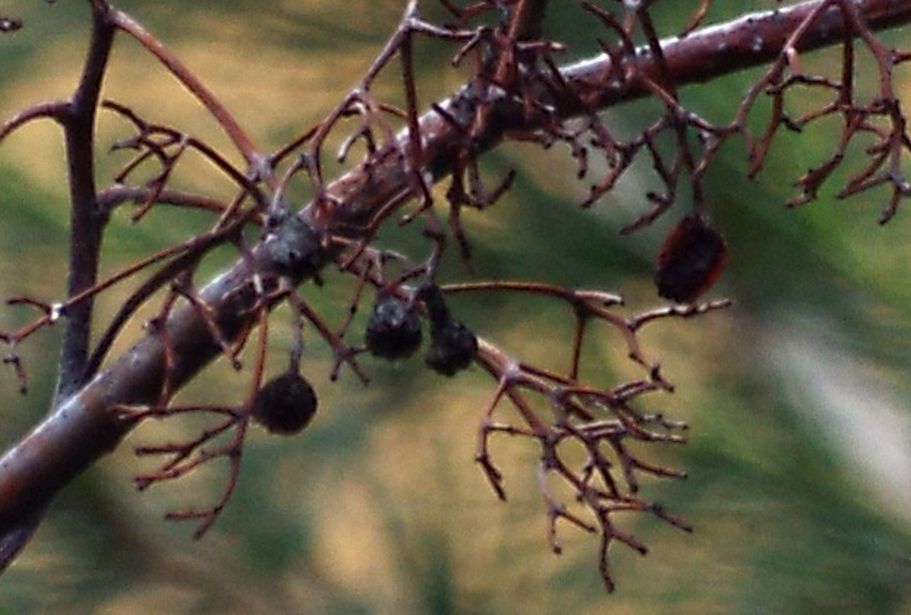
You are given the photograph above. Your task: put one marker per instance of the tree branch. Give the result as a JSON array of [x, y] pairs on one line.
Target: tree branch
[[86, 425], [86, 220], [712, 52]]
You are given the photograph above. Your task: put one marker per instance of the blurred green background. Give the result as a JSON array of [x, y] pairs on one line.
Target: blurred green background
[[798, 397]]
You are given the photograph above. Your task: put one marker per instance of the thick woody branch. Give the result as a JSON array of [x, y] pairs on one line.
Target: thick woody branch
[[87, 425], [710, 53], [86, 221]]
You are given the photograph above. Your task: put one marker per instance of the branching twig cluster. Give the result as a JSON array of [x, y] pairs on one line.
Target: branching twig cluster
[[603, 421], [697, 141], [518, 91]]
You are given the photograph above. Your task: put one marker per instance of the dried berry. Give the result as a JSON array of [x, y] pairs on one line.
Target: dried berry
[[394, 329], [453, 347], [294, 249], [285, 404], [691, 259]]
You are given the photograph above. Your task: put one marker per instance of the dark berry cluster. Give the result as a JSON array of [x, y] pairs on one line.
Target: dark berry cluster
[[394, 332], [286, 404]]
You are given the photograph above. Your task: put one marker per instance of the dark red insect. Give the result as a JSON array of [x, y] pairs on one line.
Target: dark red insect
[[691, 259]]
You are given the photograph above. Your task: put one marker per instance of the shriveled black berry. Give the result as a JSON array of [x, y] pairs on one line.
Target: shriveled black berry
[[294, 249], [453, 347], [285, 404], [394, 329]]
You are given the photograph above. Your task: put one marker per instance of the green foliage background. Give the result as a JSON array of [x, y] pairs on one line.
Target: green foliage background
[[798, 397]]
